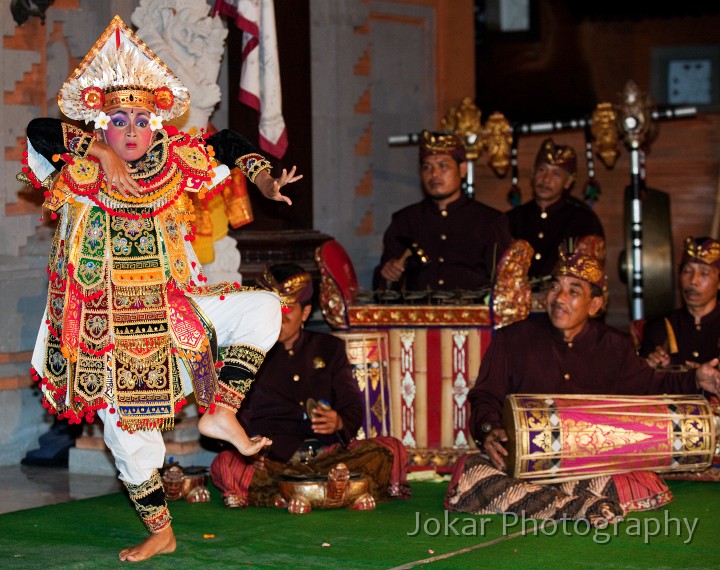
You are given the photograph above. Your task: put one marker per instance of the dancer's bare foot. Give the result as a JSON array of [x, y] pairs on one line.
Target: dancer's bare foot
[[222, 424], [162, 542]]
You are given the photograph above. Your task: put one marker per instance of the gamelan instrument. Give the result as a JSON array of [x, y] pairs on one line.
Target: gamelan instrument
[[556, 438], [339, 488], [369, 358]]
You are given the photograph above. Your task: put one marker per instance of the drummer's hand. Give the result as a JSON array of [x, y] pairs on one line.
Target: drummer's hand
[[493, 445], [691, 364], [326, 422], [707, 377], [659, 358], [393, 270]]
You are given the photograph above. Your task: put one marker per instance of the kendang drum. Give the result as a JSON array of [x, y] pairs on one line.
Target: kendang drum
[[368, 354], [555, 438]]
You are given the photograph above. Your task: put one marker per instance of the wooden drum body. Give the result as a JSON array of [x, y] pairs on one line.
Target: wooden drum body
[[368, 355], [554, 438]]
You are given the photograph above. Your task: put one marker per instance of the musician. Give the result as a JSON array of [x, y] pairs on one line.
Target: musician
[[689, 335], [462, 237], [553, 216], [563, 352], [305, 366]]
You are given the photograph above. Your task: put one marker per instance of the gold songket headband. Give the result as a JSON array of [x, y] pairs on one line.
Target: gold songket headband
[[557, 155], [701, 251], [441, 143], [580, 266], [297, 288]]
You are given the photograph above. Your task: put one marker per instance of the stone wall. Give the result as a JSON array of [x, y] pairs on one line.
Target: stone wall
[[36, 59]]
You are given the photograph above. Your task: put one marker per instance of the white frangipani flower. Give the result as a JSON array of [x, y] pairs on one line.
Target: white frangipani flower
[[155, 122], [101, 121]]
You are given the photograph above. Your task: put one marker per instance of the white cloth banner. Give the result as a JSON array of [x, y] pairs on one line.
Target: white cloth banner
[[260, 75]]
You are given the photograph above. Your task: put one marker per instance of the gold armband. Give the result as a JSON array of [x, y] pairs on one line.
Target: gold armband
[[251, 165], [77, 141]]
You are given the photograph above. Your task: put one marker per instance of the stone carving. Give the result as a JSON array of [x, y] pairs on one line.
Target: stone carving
[[192, 44]]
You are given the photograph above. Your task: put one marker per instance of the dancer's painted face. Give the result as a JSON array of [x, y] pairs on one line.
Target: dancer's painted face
[[129, 133]]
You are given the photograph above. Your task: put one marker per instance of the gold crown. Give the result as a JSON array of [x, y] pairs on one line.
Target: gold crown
[[129, 97], [120, 70]]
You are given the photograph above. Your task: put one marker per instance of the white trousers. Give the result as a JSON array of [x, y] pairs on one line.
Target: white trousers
[[250, 317]]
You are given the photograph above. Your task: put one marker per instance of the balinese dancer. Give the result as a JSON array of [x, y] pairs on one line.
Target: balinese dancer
[[131, 326]]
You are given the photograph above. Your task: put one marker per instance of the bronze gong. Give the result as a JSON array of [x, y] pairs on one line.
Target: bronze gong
[[658, 273]]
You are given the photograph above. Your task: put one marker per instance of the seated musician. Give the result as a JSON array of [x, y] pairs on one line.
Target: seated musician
[[689, 335], [461, 237], [305, 366], [563, 352], [552, 217]]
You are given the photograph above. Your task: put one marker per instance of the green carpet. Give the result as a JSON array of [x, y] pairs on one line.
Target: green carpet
[[90, 533]]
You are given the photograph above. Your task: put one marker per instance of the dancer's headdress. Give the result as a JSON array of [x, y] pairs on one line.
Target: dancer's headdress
[[120, 70]]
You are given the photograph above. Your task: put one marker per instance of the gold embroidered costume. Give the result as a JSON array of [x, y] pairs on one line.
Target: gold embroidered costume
[[129, 316], [121, 326]]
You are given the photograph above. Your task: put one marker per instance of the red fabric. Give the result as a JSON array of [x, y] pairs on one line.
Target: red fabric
[[434, 389], [641, 491], [231, 473]]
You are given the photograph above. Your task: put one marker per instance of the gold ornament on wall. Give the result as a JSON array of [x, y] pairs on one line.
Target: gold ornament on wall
[[464, 121], [493, 139], [605, 133], [497, 143]]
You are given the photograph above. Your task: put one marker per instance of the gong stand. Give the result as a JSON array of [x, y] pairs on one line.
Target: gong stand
[[631, 120]]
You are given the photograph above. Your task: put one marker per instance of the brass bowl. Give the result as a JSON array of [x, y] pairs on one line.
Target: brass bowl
[[314, 491]]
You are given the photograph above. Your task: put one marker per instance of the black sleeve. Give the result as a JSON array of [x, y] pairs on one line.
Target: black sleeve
[[46, 136], [230, 145], [392, 249]]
